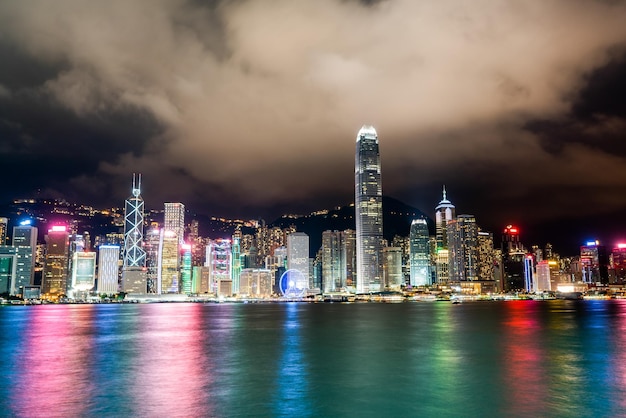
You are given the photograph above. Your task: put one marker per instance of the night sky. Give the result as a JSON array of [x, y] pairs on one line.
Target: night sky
[[251, 108]]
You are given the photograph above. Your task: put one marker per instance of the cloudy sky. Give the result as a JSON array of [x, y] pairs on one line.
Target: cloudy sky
[[251, 108]]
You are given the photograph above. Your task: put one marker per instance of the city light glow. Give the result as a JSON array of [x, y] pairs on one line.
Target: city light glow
[[510, 229]]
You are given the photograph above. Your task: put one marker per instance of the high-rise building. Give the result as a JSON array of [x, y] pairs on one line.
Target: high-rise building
[[337, 260], [25, 240], [83, 271], [256, 282], [200, 279], [444, 213], [392, 268], [486, 256], [185, 269], [54, 280], [4, 225], [134, 265], [298, 257], [168, 268], [174, 219], [108, 269], [542, 277], [419, 253], [529, 273], [462, 235], [236, 261], [595, 263], [442, 266], [619, 261], [405, 244], [350, 242], [511, 240], [334, 261], [219, 261], [76, 245], [134, 255], [513, 260], [152, 247], [368, 206], [8, 267]]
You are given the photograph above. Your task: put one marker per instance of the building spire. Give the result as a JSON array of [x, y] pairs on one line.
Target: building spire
[[444, 192], [136, 184]]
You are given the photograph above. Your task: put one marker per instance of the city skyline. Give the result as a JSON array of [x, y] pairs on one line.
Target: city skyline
[[519, 110]]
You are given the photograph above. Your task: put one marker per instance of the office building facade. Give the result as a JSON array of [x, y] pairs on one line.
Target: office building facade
[[368, 207]]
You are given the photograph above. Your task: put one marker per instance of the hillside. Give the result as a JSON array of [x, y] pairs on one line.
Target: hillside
[[397, 217]]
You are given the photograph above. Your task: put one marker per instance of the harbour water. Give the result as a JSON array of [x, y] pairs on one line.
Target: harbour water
[[478, 359]]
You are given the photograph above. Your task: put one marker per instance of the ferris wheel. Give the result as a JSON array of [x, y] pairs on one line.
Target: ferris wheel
[[293, 284]]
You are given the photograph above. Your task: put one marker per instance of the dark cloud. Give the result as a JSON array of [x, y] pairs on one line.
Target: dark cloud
[[249, 108], [605, 89]]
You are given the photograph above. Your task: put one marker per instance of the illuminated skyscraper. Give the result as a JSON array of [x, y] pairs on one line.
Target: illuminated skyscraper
[[4, 222], [542, 277], [298, 257], [392, 268], [185, 269], [444, 212], [595, 263], [486, 256], [236, 261], [25, 240], [462, 235], [83, 271], [419, 253], [219, 261], [337, 259], [619, 261], [513, 260], [8, 267], [256, 282], [54, 280], [134, 255], [152, 246], [175, 219], [168, 269], [108, 269], [529, 273], [368, 207]]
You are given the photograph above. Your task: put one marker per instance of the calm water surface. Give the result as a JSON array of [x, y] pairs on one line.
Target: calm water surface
[[482, 359]]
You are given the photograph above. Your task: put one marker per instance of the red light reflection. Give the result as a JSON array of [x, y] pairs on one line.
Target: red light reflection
[[523, 360]]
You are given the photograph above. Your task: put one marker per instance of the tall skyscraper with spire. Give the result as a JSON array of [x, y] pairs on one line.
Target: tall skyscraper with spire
[[134, 255], [444, 213], [368, 207], [134, 272]]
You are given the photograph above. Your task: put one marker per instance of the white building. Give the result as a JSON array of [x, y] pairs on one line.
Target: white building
[[108, 269], [298, 257]]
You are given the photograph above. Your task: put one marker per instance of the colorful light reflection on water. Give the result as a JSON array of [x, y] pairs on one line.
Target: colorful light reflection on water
[[549, 359]]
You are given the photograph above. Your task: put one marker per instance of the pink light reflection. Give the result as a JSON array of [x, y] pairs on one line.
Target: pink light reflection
[[618, 365], [173, 373], [55, 380]]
